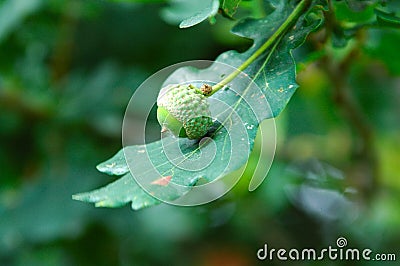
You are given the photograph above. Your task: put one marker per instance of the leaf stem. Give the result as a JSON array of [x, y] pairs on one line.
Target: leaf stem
[[300, 8]]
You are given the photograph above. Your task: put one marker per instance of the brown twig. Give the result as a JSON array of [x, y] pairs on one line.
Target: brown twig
[[338, 73]]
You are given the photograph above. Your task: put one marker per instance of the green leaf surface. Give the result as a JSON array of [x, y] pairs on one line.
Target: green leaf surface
[[189, 13], [230, 142], [118, 194], [117, 164], [276, 76]]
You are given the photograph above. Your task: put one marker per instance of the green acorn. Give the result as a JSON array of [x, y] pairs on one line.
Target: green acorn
[[184, 110]]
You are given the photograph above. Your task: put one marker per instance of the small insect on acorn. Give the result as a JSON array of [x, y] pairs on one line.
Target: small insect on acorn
[[184, 110]]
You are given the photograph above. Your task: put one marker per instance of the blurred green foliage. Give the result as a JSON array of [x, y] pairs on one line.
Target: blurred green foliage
[[67, 71]]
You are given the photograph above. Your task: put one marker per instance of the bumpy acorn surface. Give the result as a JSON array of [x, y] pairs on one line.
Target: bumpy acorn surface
[[184, 110]]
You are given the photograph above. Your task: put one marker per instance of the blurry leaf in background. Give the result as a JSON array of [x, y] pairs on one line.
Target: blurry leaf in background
[[350, 19], [12, 12], [389, 145], [381, 47], [387, 19], [357, 5], [189, 13], [109, 86], [320, 193], [346, 14], [138, 1], [229, 7], [38, 211]]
